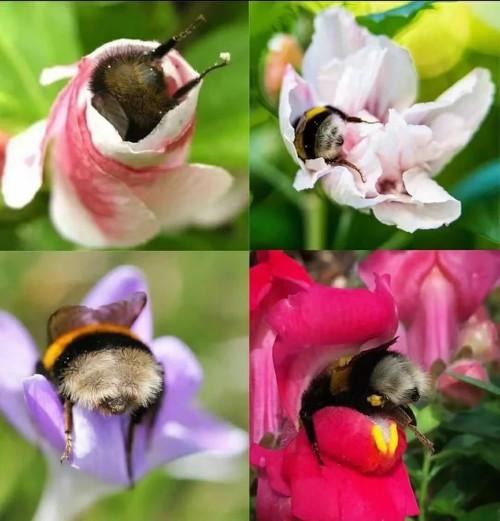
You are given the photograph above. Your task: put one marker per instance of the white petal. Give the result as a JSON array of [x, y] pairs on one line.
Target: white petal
[[336, 36], [23, 170], [126, 222], [179, 195], [455, 115], [296, 97], [314, 170], [428, 207], [68, 492], [59, 72], [225, 208]]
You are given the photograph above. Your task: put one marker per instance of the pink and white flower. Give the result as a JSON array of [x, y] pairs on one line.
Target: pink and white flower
[[372, 78], [107, 191]]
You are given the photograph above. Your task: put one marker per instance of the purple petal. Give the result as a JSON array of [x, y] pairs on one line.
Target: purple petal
[[18, 356], [99, 445], [46, 410], [181, 429], [117, 285]]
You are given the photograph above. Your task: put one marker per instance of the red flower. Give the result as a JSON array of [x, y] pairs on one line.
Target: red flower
[[308, 326]]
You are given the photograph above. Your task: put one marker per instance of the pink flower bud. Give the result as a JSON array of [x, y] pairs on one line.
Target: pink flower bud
[[461, 392], [283, 49]]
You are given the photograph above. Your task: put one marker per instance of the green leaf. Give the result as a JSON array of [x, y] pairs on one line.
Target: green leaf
[[479, 421], [485, 386], [391, 21], [481, 182], [490, 512], [34, 35], [427, 419], [483, 218], [449, 500]]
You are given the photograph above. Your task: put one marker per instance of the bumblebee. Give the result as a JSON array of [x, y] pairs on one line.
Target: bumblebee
[[319, 132], [129, 86], [373, 382], [95, 361]]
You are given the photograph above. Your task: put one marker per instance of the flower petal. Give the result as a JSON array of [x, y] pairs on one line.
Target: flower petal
[[120, 284], [455, 115], [473, 274], [296, 97], [429, 207], [181, 429], [18, 356], [68, 492], [336, 36], [46, 410], [181, 195], [115, 217], [23, 170], [354, 70], [321, 324]]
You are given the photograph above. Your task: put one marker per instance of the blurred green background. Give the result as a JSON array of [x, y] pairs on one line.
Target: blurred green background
[[446, 40], [35, 35], [188, 302]]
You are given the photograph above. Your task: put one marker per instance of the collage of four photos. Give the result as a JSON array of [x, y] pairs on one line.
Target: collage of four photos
[[249, 260]]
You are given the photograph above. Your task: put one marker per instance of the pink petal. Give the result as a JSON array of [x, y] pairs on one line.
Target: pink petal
[[296, 97], [473, 274], [321, 324], [180, 195], [428, 207], [407, 269], [481, 335], [355, 70], [455, 115]]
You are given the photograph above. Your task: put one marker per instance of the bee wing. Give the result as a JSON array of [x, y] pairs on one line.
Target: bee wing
[[109, 107], [373, 350], [123, 312]]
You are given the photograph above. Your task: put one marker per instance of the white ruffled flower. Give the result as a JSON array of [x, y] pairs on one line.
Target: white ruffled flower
[[372, 78]]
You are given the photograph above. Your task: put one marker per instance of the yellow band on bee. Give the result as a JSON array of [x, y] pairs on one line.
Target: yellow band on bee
[[55, 350], [315, 111]]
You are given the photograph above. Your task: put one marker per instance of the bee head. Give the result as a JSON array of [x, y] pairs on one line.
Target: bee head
[[399, 380]]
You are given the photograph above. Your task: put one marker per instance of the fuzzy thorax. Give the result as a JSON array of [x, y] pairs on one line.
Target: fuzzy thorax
[[113, 381]]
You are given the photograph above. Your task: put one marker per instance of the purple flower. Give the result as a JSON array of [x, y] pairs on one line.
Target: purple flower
[[181, 428]]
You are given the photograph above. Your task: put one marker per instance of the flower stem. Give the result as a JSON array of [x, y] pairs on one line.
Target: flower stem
[[396, 241], [426, 477], [314, 221], [343, 227]]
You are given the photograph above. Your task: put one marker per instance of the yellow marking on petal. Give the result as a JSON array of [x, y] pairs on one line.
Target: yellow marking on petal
[[375, 400], [378, 438], [393, 438]]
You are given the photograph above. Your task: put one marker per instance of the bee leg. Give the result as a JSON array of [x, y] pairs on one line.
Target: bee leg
[[68, 428], [164, 48], [343, 162], [129, 445], [191, 84], [308, 424]]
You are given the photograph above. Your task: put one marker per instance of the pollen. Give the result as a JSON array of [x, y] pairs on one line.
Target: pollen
[[375, 400], [379, 440]]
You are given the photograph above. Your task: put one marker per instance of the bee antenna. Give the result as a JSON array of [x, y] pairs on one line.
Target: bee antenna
[[182, 91], [167, 46]]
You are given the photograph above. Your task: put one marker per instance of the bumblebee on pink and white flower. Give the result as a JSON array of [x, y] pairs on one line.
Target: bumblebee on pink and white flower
[[116, 150]]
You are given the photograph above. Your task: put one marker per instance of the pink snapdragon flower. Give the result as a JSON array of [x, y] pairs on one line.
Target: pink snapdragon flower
[[372, 78], [274, 277], [107, 191], [436, 293], [311, 326]]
